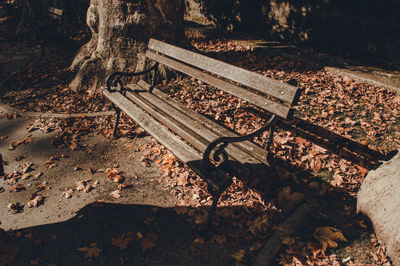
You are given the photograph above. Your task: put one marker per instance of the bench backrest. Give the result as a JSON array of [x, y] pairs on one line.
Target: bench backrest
[[195, 64]]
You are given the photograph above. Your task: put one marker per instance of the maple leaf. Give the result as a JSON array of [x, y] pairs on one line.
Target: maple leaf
[[17, 187], [36, 201], [90, 252], [116, 194], [149, 242], [239, 255], [328, 236], [288, 241], [287, 200], [122, 241], [15, 207]]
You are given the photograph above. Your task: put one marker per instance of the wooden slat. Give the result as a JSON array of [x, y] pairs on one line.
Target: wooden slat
[[195, 133], [280, 90], [250, 148], [262, 102], [172, 142]]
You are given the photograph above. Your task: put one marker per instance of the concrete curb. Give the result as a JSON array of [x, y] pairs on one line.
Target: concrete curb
[[344, 72], [7, 109]]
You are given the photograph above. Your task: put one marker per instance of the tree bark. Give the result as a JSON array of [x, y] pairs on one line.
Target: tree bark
[[120, 32]]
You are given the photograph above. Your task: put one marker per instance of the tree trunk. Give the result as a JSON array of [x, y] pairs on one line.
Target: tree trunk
[[120, 32]]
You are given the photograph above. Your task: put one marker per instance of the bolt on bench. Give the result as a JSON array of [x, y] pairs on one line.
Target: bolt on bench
[[199, 142]]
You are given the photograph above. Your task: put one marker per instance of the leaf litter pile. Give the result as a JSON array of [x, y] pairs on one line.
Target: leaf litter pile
[[361, 112]]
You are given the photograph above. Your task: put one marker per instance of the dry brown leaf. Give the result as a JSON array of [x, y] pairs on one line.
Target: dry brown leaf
[[88, 188], [36, 201], [80, 185], [239, 255], [288, 241], [337, 180], [26, 176], [15, 207], [122, 241], [328, 236], [149, 242], [90, 252], [17, 187], [316, 164], [123, 186], [73, 146], [116, 194], [68, 194], [287, 200]]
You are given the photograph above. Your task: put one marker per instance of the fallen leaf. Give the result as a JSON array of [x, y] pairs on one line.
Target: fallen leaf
[[38, 175], [239, 255], [288, 241], [287, 200], [90, 252], [123, 186], [68, 194], [80, 185], [17, 187], [316, 165], [36, 201], [122, 241], [19, 158], [73, 146], [26, 176], [149, 242], [139, 235], [116, 194], [15, 207], [328, 236], [88, 188]]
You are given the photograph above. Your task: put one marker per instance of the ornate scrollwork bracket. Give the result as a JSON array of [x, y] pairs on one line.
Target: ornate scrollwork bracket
[[220, 155], [114, 80]]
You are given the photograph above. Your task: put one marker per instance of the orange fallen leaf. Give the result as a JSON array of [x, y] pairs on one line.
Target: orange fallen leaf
[[116, 194], [149, 242], [122, 241], [239, 255], [328, 236], [36, 201], [90, 252]]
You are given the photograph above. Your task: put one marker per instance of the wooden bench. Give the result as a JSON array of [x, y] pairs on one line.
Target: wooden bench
[[197, 141]]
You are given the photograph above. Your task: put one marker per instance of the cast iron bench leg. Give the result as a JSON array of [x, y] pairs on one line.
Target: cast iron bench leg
[[116, 122]]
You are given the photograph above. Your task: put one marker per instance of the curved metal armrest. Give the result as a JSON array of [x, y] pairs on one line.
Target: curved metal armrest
[[220, 154], [114, 79]]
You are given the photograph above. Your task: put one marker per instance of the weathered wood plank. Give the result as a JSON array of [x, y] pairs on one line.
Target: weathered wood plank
[[195, 133], [199, 120], [172, 142], [260, 101], [280, 90]]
